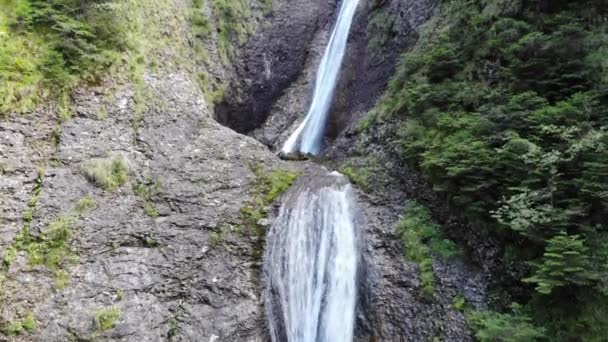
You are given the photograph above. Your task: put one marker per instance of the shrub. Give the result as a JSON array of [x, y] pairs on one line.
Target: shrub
[[493, 326]]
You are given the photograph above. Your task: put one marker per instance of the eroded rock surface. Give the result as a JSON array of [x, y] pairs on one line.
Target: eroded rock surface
[[186, 274]]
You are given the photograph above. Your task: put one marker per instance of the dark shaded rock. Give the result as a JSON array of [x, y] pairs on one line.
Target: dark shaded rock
[[271, 61]]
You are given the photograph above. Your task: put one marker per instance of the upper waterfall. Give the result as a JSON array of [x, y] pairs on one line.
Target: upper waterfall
[[307, 137], [311, 265]]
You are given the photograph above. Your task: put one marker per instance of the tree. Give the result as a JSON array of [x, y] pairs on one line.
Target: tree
[[566, 262]]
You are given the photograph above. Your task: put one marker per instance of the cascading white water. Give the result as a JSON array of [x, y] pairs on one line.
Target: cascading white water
[[311, 266], [310, 131]]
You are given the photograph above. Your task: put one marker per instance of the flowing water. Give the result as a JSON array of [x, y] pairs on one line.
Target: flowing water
[[311, 265], [309, 134], [311, 253]]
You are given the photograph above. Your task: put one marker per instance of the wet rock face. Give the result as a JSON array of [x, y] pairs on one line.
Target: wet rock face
[[381, 31], [271, 60], [180, 273]]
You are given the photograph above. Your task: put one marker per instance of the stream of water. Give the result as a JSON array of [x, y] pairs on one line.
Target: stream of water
[[311, 253], [307, 138], [311, 266]]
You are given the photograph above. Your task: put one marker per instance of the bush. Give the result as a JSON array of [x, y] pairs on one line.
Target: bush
[[493, 326]]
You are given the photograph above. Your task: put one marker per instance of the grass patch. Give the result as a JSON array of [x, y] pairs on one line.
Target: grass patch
[[109, 173], [27, 324], [107, 318], [267, 186], [423, 239], [85, 204], [52, 248], [61, 279]]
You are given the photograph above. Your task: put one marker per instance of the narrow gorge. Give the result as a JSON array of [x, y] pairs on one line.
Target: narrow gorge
[[303, 170]]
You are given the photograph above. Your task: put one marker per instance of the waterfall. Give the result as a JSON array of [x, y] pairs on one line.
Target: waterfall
[[311, 265], [310, 131]]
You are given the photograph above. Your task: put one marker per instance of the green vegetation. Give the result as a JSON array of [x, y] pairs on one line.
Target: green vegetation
[[85, 204], [61, 279], [423, 239], [267, 186], [459, 303], [231, 25], [108, 173], [48, 46], [358, 175], [146, 191], [52, 247], [502, 106], [513, 327], [107, 318], [18, 327]]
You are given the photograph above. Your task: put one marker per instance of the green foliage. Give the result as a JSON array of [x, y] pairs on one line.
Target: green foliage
[[380, 29], [108, 173], [85, 204], [28, 323], [459, 303], [13, 328], [507, 327], [503, 110], [62, 279], [52, 249], [150, 210], [231, 25], [423, 238], [47, 46], [107, 318], [566, 262]]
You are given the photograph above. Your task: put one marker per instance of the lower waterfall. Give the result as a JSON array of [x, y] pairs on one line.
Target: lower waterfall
[[311, 265]]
